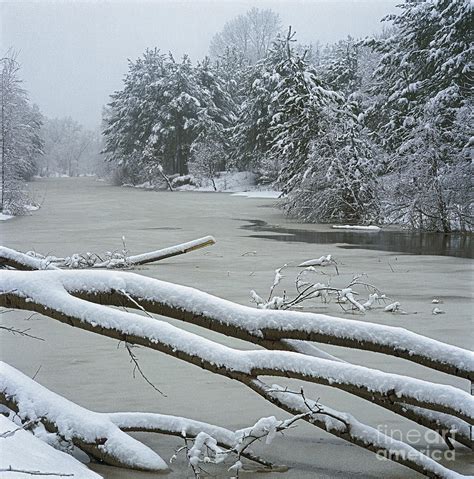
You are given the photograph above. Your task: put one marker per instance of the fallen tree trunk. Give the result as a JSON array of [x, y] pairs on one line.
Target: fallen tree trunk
[[23, 262], [94, 434], [256, 325], [29, 262], [97, 434], [44, 292], [171, 251], [348, 428], [391, 402], [135, 329]]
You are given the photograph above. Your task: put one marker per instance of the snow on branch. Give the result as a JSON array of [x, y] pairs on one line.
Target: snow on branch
[[356, 227], [347, 427], [112, 259], [99, 434], [49, 293], [49, 297], [250, 324], [178, 426], [92, 432], [22, 261]]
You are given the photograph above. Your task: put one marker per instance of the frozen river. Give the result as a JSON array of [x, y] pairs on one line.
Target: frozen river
[[80, 215]]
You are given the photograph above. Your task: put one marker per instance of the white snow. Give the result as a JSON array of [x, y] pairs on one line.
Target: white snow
[[366, 434], [259, 194], [226, 312], [171, 251], [46, 287], [34, 401], [322, 261], [26, 259], [4, 217], [356, 227], [23, 451]]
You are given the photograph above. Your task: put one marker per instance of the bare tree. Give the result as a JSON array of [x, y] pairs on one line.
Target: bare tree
[[250, 34], [69, 148]]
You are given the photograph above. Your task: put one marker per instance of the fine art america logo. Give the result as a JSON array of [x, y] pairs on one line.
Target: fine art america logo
[[430, 443]]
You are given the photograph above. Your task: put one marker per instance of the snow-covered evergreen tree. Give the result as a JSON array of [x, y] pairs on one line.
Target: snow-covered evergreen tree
[[422, 83], [280, 114], [129, 117], [165, 106], [339, 181], [339, 66]]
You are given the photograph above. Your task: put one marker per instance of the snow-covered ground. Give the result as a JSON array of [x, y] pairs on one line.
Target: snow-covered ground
[[82, 214], [240, 183], [4, 217], [24, 453]]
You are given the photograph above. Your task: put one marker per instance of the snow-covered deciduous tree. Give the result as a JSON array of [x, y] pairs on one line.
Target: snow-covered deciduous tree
[[207, 159], [423, 88], [251, 34], [21, 143]]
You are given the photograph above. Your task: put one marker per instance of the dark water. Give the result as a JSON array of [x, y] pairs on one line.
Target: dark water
[[441, 244]]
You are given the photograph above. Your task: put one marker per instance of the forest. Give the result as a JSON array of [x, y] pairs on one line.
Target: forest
[[367, 131], [247, 251]]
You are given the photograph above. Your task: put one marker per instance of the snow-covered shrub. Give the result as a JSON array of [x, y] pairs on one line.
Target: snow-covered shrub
[[207, 159], [184, 180], [339, 181]]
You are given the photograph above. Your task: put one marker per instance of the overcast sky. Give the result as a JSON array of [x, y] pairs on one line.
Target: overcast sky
[[74, 53]]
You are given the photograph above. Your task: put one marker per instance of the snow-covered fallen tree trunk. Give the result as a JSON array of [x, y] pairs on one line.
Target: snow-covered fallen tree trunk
[[102, 435], [356, 227], [347, 427], [179, 426], [392, 403], [22, 261], [255, 325], [36, 261], [171, 251], [44, 292], [91, 432]]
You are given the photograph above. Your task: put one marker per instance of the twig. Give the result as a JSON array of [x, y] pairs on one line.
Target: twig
[[36, 473], [137, 367], [20, 332]]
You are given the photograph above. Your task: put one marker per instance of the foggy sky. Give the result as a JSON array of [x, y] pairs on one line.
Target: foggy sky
[[74, 53]]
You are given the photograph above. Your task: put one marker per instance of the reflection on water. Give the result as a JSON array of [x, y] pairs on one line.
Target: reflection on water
[[412, 242]]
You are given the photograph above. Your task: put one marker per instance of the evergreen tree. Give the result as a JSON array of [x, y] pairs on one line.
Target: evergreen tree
[[165, 107], [339, 67], [281, 112], [129, 117], [339, 181], [422, 83]]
